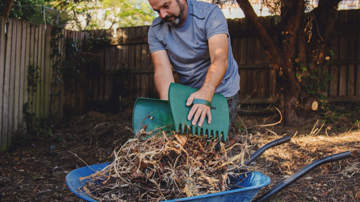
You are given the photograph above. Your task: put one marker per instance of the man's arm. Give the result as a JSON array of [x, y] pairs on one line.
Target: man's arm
[[218, 49], [163, 75]]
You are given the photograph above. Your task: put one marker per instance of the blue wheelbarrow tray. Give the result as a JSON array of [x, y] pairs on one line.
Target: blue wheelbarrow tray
[[247, 186]]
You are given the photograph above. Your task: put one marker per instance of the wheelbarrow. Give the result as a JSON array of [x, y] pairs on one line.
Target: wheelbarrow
[[246, 186]]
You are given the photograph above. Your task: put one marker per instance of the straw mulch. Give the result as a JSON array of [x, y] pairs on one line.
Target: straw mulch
[[167, 167]]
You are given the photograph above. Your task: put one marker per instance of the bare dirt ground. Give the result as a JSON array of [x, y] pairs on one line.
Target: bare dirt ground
[[35, 167]]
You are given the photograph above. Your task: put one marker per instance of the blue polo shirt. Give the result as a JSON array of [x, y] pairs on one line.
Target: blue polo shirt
[[187, 46]]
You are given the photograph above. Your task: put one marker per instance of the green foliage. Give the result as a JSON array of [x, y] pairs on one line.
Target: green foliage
[[57, 36], [315, 78], [73, 10], [315, 81], [343, 116], [35, 126], [127, 13], [330, 115], [25, 9], [83, 14], [104, 14], [73, 60], [96, 41], [107, 14], [33, 77], [357, 124], [76, 53], [34, 11]]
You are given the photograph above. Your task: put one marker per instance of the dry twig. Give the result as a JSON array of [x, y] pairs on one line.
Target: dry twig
[[273, 124]]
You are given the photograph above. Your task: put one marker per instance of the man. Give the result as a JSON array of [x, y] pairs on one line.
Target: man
[[192, 38]]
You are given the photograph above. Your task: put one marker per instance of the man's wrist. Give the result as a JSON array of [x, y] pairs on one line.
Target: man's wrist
[[209, 87]]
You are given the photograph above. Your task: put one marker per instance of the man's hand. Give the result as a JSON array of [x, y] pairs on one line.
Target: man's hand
[[198, 112]]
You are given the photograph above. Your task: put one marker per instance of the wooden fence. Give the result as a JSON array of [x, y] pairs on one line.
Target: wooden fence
[[22, 45], [115, 76], [26, 76]]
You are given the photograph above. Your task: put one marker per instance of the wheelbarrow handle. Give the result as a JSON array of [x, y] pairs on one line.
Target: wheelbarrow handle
[[300, 173], [267, 146]]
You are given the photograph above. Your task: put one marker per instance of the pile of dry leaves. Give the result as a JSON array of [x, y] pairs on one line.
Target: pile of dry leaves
[[166, 167]]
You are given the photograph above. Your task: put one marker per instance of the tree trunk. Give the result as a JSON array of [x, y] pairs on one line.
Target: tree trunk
[[289, 89], [289, 51], [291, 22], [7, 9], [323, 24], [290, 115]]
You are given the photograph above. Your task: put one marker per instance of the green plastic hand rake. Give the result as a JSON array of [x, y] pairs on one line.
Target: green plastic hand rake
[[152, 116], [219, 126]]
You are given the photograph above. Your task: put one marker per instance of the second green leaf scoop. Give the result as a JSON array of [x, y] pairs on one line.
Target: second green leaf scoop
[[219, 126]]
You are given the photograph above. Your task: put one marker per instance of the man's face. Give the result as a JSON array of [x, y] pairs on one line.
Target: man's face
[[171, 11]]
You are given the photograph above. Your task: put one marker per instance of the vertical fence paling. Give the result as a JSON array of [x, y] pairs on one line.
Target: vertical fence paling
[[48, 73], [6, 94], [12, 80], [22, 66], [41, 97], [357, 78], [343, 69], [16, 79], [2, 73]]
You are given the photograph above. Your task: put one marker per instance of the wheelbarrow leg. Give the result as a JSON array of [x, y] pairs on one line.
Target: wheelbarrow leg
[[300, 173], [267, 146]]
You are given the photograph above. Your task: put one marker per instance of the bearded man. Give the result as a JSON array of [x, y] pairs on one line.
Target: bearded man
[[192, 38]]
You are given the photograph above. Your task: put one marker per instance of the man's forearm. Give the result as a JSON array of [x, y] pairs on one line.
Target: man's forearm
[[162, 82], [218, 53], [163, 75], [214, 77]]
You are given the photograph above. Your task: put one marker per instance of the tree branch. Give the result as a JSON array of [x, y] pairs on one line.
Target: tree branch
[[7, 9], [326, 13], [294, 12], [324, 22], [270, 47]]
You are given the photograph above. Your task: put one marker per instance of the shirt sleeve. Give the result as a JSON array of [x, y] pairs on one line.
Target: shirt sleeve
[[154, 43], [216, 23]]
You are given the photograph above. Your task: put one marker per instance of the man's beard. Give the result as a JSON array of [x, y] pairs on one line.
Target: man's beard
[[175, 20]]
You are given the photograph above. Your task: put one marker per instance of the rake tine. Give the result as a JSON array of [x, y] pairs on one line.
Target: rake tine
[[223, 136], [212, 134]]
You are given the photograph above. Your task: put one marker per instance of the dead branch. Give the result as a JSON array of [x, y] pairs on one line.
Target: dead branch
[[273, 124]]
